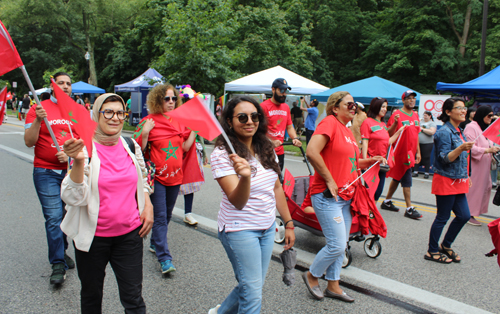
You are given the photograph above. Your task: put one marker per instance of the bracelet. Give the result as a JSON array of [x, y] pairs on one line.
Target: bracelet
[[291, 228], [296, 138], [286, 223]]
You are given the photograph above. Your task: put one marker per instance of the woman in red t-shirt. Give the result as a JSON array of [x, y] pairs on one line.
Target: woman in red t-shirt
[[451, 181], [333, 152], [164, 141], [375, 137]]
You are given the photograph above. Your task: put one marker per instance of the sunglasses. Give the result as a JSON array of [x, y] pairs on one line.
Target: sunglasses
[[283, 90], [109, 114], [168, 98], [490, 115], [243, 117], [351, 105]]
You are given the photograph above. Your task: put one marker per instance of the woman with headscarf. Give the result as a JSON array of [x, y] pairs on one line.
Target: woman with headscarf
[[164, 141], [108, 209], [469, 117], [479, 194]]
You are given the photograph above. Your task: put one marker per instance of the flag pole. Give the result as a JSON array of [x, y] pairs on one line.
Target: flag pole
[[343, 189], [30, 85]]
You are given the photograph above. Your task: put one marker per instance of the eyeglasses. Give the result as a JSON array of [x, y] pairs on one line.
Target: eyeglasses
[[351, 105], [168, 98], [109, 114], [461, 108], [243, 117]]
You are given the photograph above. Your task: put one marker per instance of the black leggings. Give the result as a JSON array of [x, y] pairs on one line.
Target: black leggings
[[425, 153]]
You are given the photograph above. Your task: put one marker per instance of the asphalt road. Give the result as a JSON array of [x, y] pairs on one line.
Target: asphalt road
[[398, 281]]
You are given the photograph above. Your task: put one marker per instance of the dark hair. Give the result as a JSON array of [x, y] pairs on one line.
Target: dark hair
[[469, 111], [314, 103], [61, 74], [482, 112], [375, 106], [429, 114], [262, 146], [113, 99], [448, 105]]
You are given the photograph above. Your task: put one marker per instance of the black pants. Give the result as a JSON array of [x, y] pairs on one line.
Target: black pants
[[281, 161], [309, 134], [425, 153], [124, 253]]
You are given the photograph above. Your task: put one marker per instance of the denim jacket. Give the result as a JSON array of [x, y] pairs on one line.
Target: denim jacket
[[446, 139]]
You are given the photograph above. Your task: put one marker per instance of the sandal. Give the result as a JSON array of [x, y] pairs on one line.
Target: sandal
[[442, 258], [450, 254]]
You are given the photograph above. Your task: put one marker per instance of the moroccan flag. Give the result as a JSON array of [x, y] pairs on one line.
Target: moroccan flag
[[9, 57], [196, 116], [9, 96], [493, 132], [402, 156], [494, 228], [372, 180], [288, 183], [78, 117], [3, 103]]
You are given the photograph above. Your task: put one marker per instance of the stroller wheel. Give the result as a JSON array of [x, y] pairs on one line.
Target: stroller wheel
[[347, 258], [279, 236], [373, 248]]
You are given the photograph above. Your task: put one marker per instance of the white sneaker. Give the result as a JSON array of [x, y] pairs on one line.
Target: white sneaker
[[213, 310], [189, 219]]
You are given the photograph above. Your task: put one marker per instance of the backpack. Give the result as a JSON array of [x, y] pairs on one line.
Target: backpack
[[150, 166]]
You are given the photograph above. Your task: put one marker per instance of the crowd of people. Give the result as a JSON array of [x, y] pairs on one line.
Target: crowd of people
[[124, 188]]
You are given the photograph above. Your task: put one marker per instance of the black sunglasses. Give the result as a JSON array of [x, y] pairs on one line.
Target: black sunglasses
[[351, 105], [243, 117], [174, 98]]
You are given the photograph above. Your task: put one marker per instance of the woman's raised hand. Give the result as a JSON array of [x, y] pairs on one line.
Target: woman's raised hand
[[241, 166], [74, 148], [148, 126]]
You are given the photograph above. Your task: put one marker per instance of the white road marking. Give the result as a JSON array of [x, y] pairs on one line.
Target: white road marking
[[17, 153], [8, 133]]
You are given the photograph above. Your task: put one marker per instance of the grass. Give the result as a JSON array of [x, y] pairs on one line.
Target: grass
[[295, 150]]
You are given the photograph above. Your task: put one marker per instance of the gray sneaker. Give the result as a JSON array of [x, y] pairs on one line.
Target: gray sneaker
[[58, 274]]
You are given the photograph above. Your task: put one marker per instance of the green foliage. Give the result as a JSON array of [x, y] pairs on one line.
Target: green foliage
[[49, 73]]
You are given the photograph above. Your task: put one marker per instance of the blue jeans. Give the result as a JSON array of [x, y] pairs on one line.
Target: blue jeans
[[380, 187], [48, 188], [250, 253], [163, 200], [335, 220], [446, 204]]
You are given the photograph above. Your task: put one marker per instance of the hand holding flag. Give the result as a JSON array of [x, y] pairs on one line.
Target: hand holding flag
[[77, 116]]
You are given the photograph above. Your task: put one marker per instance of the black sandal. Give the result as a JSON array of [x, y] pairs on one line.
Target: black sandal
[[453, 256], [442, 258]]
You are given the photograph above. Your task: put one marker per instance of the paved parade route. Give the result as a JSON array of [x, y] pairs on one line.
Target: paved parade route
[[398, 281]]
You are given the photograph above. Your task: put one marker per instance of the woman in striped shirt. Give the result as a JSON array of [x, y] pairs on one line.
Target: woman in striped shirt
[[251, 193]]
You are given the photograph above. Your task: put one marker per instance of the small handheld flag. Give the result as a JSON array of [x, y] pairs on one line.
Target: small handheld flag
[[9, 57]]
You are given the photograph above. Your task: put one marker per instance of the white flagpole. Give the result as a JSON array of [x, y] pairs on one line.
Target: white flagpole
[[360, 176], [30, 85]]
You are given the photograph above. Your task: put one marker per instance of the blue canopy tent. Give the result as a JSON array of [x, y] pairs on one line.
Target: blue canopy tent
[[139, 87], [367, 89], [84, 88], [487, 85]]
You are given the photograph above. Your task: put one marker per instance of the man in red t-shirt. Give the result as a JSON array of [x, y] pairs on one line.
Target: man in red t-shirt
[[279, 119], [407, 117], [50, 167]]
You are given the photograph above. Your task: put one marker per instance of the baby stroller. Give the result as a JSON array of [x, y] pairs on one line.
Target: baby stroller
[[296, 193]]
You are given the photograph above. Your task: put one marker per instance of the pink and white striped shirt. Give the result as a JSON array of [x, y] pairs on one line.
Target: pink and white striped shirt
[[260, 211]]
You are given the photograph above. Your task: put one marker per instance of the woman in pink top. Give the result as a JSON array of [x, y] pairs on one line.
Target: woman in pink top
[[109, 210], [251, 193], [480, 191]]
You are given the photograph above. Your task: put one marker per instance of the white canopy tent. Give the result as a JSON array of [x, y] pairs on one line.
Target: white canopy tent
[[262, 81]]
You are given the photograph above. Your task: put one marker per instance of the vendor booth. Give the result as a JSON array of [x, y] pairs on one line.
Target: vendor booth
[[79, 88], [487, 85], [139, 88], [367, 89], [262, 81]]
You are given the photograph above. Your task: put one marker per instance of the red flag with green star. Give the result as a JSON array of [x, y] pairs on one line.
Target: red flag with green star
[[401, 157], [372, 179], [82, 125], [493, 132], [196, 116], [288, 183]]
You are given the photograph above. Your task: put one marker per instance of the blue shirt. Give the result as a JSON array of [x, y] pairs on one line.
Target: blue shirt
[[312, 115]]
